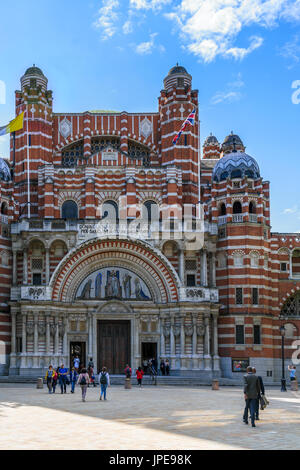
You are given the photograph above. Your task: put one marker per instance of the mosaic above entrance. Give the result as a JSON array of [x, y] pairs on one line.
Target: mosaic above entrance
[[113, 283]]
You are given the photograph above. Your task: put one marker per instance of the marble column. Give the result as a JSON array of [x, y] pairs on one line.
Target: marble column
[[136, 352], [36, 342], [213, 269], [291, 265], [204, 268], [181, 266], [182, 342], [14, 268], [216, 358], [90, 333], [207, 356], [65, 340], [172, 343], [195, 355], [48, 353], [25, 267], [162, 339], [24, 341], [56, 350], [47, 267], [13, 340]]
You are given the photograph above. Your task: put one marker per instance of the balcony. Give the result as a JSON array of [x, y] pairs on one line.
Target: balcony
[[253, 218], [199, 294], [222, 220], [43, 225], [4, 219], [237, 218]]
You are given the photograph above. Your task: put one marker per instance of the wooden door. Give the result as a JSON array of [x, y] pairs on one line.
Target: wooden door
[[113, 345]]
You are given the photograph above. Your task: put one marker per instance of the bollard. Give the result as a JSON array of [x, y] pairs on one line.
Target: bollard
[[128, 383], [39, 383], [215, 384], [294, 385]]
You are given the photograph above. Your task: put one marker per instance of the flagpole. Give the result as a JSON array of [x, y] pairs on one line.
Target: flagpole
[[28, 171], [199, 158]]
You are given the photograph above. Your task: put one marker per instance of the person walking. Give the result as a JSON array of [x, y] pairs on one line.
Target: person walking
[[139, 376], [167, 367], [62, 374], [83, 381], [49, 378], [261, 392], [292, 371], [162, 367], [91, 363], [104, 382], [55, 378], [73, 379], [76, 362], [251, 392], [91, 376]]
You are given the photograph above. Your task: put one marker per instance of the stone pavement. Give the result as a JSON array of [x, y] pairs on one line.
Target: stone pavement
[[151, 418]]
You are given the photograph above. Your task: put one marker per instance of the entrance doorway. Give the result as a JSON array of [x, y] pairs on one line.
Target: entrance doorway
[[77, 349], [113, 345], [149, 351]]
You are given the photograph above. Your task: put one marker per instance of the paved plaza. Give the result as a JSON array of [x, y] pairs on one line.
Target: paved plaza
[[150, 418]]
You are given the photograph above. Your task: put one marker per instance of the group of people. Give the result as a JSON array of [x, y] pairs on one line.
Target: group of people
[[254, 392], [150, 367]]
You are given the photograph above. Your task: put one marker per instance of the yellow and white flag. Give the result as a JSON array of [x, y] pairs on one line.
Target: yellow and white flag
[[14, 125]]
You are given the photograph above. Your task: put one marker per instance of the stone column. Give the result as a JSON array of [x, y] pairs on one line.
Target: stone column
[[137, 355], [194, 353], [291, 265], [47, 353], [14, 268], [204, 268], [182, 342], [65, 340], [162, 339], [56, 350], [207, 356], [13, 340], [181, 266], [25, 267], [172, 343], [213, 269], [47, 267], [90, 333], [24, 341], [36, 342], [216, 358]]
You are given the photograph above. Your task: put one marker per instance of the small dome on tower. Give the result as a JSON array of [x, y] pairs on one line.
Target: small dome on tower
[[211, 140], [232, 143], [34, 78], [177, 78], [211, 147], [236, 165]]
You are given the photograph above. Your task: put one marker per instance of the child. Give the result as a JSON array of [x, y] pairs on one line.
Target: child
[[139, 376]]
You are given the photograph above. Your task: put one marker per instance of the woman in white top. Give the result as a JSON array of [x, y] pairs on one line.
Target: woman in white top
[[83, 381]]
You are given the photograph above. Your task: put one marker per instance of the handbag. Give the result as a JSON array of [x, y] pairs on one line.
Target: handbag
[[263, 402]]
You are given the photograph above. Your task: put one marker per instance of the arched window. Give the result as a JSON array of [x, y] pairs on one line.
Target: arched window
[[224, 176], [236, 174], [238, 258], [249, 173], [222, 209], [237, 207], [291, 307], [110, 211], [252, 208], [151, 212], [4, 208], [69, 210], [254, 259]]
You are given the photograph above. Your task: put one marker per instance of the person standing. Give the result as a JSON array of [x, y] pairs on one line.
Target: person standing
[[73, 379], [83, 381], [91, 376], [139, 376], [145, 366], [104, 382], [76, 362], [162, 367], [167, 367], [91, 363], [55, 378], [49, 378], [261, 392], [128, 371], [251, 392], [62, 373], [292, 370]]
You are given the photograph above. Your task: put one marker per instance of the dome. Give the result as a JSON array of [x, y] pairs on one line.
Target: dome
[[232, 142], [177, 69], [211, 140], [34, 71], [5, 174], [236, 165]]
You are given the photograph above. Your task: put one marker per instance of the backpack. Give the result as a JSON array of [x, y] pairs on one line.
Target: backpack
[[103, 378], [83, 380]]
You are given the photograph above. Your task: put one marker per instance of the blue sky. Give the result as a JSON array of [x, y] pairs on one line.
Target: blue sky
[[244, 56]]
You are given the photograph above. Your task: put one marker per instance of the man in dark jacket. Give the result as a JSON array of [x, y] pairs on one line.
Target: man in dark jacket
[[262, 392], [251, 391]]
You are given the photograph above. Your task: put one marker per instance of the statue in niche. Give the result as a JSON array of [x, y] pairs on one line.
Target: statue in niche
[[113, 287], [127, 286], [98, 284], [139, 294], [86, 291]]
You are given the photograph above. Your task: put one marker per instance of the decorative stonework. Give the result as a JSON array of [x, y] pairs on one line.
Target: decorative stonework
[[146, 128], [65, 128]]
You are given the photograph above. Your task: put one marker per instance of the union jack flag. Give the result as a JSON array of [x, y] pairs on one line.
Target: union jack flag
[[189, 120]]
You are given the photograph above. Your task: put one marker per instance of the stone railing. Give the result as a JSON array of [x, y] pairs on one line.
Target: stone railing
[[222, 220], [237, 218], [253, 218], [199, 294]]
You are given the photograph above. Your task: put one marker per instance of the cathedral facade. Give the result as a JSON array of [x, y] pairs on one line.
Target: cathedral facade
[[120, 246]]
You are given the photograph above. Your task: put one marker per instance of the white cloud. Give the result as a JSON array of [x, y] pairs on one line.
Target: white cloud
[[231, 93], [146, 47], [291, 51], [291, 210], [210, 28], [107, 18], [127, 27], [149, 4]]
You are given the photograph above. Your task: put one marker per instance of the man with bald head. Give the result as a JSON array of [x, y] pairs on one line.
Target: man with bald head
[[251, 392]]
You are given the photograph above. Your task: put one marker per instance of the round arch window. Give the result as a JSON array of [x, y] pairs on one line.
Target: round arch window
[[69, 210]]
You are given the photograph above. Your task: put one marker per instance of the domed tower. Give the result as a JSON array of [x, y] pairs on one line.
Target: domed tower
[[211, 148], [177, 100], [33, 146], [240, 207], [232, 143]]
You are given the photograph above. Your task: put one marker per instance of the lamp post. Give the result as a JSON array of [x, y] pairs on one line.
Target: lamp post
[[283, 381]]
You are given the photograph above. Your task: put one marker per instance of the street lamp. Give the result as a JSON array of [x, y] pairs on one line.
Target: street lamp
[[283, 381]]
